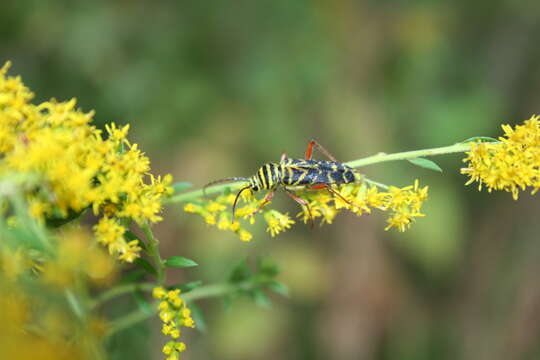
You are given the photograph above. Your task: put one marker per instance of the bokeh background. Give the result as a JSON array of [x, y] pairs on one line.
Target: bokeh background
[[216, 88]]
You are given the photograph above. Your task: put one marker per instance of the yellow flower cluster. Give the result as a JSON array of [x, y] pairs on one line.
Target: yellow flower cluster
[[513, 164], [215, 212], [404, 205], [77, 167], [174, 313], [33, 308], [17, 342], [76, 257]]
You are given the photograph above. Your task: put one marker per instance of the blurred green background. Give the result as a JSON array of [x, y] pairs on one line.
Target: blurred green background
[[214, 89]]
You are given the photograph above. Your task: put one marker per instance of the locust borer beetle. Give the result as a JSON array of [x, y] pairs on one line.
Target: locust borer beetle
[[308, 173]]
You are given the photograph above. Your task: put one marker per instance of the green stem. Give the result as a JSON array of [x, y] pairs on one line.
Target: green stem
[[202, 292], [188, 196], [129, 320], [210, 291], [119, 291], [378, 158], [374, 183], [153, 251], [382, 157]]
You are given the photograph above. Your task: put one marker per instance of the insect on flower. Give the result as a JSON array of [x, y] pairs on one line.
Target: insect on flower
[[308, 173]]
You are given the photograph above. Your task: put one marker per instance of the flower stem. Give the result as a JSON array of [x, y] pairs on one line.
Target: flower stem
[[202, 292], [153, 251], [209, 291], [382, 157], [119, 291], [378, 158], [375, 183], [188, 196], [129, 320]]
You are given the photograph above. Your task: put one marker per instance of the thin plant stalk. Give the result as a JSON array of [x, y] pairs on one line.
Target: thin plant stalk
[[370, 160]]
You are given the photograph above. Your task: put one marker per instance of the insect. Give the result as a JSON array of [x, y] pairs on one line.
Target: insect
[[313, 174]]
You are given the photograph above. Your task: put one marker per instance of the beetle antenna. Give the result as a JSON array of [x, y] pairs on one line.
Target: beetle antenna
[[236, 200], [230, 179]]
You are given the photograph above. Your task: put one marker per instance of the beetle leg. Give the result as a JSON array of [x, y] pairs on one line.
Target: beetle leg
[[329, 188], [283, 157], [265, 202], [309, 150], [302, 202]]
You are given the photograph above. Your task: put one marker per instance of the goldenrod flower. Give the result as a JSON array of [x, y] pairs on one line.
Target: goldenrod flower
[[403, 204], [216, 213], [38, 303], [49, 338], [76, 256], [159, 293], [78, 166], [245, 235], [511, 165], [277, 222], [174, 313]]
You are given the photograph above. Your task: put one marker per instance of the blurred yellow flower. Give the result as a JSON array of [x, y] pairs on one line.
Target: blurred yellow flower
[[34, 308], [75, 257]]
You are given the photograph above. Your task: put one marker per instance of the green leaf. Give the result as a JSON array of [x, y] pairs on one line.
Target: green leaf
[[75, 304], [198, 317], [227, 302], [180, 186], [260, 298], [144, 264], [240, 272], [131, 236], [121, 148], [187, 287], [426, 164], [132, 276], [179, 261], [22, 236], [142, 303], [267, 267], [278, 288], [57, 220], [480, 139]]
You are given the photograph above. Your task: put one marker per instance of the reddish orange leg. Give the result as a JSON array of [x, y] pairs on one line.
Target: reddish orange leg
[[302, 202], [265, 202], [339, 195], [319, 147], [329, 188]]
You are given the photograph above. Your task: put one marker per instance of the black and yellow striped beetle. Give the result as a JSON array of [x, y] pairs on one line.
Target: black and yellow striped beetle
[[313, 174]]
